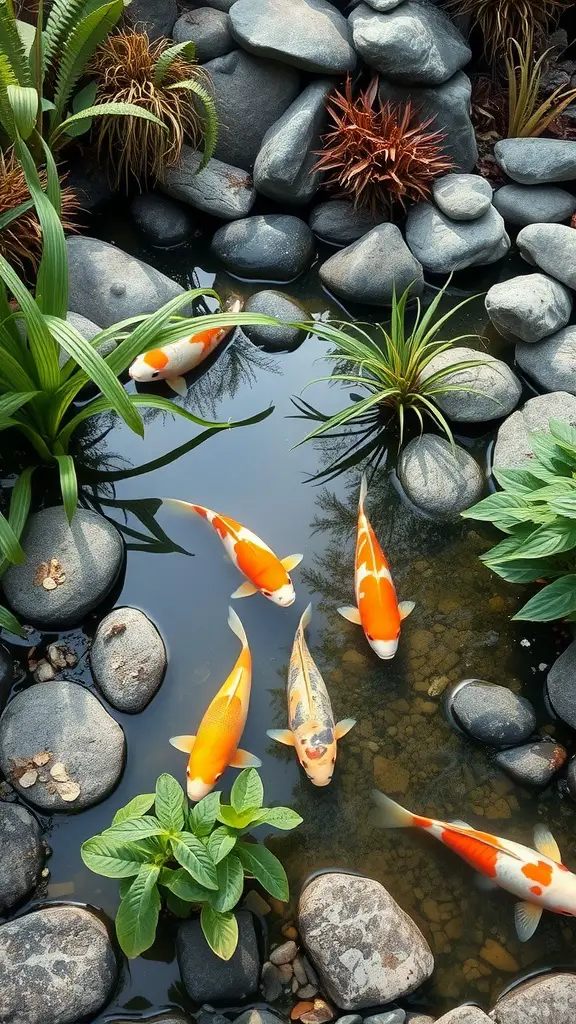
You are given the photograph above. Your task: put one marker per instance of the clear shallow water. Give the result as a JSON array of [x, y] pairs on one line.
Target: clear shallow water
[[403, 743]]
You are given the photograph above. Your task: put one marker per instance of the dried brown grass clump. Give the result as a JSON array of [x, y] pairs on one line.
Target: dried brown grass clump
[[381, 155], [502, 20]]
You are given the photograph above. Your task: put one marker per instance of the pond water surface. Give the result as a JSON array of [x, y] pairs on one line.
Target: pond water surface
[[403, 742]]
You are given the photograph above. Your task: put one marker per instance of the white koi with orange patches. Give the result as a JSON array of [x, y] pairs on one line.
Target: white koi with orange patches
[[536, 876]]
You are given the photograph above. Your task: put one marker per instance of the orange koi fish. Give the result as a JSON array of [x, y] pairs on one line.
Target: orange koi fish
[[215, 746], [264, 571], [377, 611], [537, 877], [170, 362]]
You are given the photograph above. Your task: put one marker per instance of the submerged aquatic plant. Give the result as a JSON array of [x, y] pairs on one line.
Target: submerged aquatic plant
[[381, 155], [161, 78], [528, 114], [537, 509], [502, 20], [192, 859]]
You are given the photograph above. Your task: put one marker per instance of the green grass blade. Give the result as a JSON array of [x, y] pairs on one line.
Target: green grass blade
[[10, 623], [68, 484], [39, 338], [52, 278], [9, 543]]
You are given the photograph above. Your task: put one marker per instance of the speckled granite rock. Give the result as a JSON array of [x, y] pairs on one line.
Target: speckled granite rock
[[440, 479], [552, 247], [491, 389], [529, 307], [551, 362], [128, 659], [550, 998], [21, 853], [513, 446]]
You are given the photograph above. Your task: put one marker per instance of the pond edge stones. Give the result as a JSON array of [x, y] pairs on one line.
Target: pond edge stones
[[371, 268], [490, 390], [441, 479], [529, 307], [513, 446], [366, 950], [490, 713], [561, 686], [206, 977], [274, 245], [309, 34], [549, 997], [128, 659], [21, 853]]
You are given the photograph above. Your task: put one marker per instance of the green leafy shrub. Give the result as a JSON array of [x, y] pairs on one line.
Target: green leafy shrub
[[537, 509], [191, 858]]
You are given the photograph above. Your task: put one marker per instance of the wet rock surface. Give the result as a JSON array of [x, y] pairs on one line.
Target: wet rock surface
[[465, 1015], [208, 29], [6, 673], [283, 307], [162, 221], [552, 247], [551, 997], [368, 270], [440, 479], [462, 196], [219, 189], [271, 245], [551, 362], [310, 34], [513, 446], [537, 161], [57, 966], [534, 764], [85, 746], [128, 659], [366, 950], [491, 390], [155, 17], [83, 559], [443, 245], [521, 205], [205, 976], [336, 221], [492, 714], [21, 854], [561, 686], [530, 307]]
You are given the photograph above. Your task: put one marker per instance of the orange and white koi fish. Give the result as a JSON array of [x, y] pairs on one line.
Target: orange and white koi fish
[[264, 571], [215, 746], [377, 611], [537, 877], [172, 361], [312, 731]]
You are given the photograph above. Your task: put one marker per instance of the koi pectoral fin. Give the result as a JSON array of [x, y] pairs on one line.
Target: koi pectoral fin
[[350, 613], [178, 384], [285, 736], [183, 743], [291, 561], [245, 590], [526, 918], [405, 607], [344, 727], [242, 759], [545, 843]]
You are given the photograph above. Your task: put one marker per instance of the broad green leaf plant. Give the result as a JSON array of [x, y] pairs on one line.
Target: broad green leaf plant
[[536, 508], [188, 859]]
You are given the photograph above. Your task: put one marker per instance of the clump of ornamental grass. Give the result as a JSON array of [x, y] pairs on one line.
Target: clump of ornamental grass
[[501, 20], [381, 155], [528, 113], [163, 79]]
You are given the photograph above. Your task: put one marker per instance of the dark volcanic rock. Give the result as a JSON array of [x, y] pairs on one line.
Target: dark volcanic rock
[[273, 247], [208, 29], [533, 764], [21, 853], [205, 976], [370, 269], [310, 34], [219, 189], [6, 674], [493, 714], [162, 221], [155, 17], [336, 221]]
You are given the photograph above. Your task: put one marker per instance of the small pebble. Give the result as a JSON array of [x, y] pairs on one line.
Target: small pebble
[[294, 986], [396, 1016], [310, 972], [285, 971], [299, 1009], [271, 983], [350, 1018], [302, 977], [253, 901], [289, 931], [284, 954], [49, 583], [307, 991], [44, 672], [28, 779], [319, 1015]]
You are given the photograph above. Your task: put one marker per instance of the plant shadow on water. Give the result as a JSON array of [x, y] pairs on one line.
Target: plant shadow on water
[[403, 742]]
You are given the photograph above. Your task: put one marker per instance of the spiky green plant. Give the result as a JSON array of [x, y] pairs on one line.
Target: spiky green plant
[[528, 115]]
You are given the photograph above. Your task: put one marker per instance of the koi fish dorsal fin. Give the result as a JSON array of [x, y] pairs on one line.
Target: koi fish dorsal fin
[[546, 844], [183, 743], [363, 492], [388, 814], [237, 627], [304, 666], [526, 918]]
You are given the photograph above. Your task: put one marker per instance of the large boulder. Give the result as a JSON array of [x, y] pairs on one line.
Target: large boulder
[[513, 446], [492, 714], [89, 554], [233, 78], [338, 222], [529, 308], [272, 246], [275, 339], [415, 43], [85, 746], [21, 854], [155, 17], [549, 998], [107, 285], [162, 221], [521, 205], [206, 977], [552, 247], [443, 245], [490, 390], [283, 167], [561, 686], [462, 196], [128, 659], [537, 161], [370, 269], [449, 105], [440, 479], [310, 34], [366, 950], [57, 966], [219, 189], [552, 362], [208, 29]]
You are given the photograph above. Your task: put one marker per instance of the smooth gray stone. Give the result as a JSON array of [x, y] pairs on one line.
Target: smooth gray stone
[[439, 479], [462, 196], [561, 686], [208, 978], [258, 1016], [208, 29], [107, 285], [534, 764], [156, 17], [271, 86], [128, 663], [552, 247], [521, 205], [67, 720], [513, 446], [283, 167], [443, 245], [383, 5], [219, 189], [91, 553], [344, 920], [350, 1018], [21, 854], [530, 307], [283, 307], [550, 998], [370, 269], [491, 390], [338, 222], [493, 714], [449, 105], [310, 34], [537, 161], [552, 362], [88, 330], [6, 674], [415, 43], [465, 1015], [396, 1016], [273, 247], [57, 966], [219, 5], [162, 221], [419, 1018], [169, 1017]]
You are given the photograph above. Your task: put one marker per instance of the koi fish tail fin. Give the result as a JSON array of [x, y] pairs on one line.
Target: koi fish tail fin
[[363, 492], [388, 814], [305, 619], [237, 627]]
